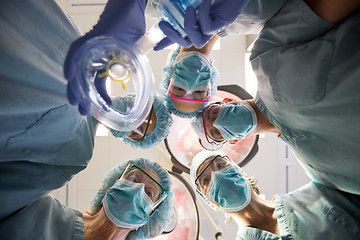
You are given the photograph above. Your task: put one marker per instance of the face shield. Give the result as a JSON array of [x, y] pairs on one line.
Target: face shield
[[153, 190]]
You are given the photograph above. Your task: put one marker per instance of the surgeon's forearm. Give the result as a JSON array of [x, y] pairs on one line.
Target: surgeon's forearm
[[333, 11], [206, 49]]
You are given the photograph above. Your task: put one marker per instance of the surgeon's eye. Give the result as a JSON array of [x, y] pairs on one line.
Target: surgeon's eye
[[216, 135], [205, 181], [151, 193], [221, 165], [178, 91], [199, 95], [134, 177]]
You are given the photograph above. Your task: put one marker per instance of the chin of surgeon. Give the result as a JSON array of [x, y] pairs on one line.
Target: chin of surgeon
[[313, 211], [134, 202], [314, 106]]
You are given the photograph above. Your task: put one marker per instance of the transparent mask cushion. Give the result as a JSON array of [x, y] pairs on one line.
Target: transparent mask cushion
[[123, 70]]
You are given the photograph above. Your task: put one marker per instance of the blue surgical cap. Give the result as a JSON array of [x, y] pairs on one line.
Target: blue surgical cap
[[162, 216], [166, 79], [163, 123]]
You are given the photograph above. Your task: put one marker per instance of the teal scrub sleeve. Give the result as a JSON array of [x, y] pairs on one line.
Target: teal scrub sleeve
[[45, 218], [23, 182]]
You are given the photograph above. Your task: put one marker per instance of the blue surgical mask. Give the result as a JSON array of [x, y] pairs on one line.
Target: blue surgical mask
[[229, 189], [127, 205], [192, 70], [235, 121]]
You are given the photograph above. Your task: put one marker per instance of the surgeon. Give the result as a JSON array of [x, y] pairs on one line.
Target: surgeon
[[134, 202], [152, 131], [189, 79], [305, 60], [320, 154], [313, 211], [40, 131]]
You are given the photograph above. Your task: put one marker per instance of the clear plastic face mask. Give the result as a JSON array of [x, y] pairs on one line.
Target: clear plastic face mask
[[123, 70], [152, 188], [205, 170], [179, 91]]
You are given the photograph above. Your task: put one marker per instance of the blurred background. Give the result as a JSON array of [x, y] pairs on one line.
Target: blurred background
[[274, 165]]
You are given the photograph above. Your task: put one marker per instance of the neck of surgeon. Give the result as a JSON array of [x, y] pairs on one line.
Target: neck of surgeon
[[263, 123], [100, 227], [258, 214]]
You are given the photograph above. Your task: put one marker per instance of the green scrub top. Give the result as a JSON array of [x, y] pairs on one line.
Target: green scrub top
[[44, 141], [45, 218], [308, 86], [313, 211]]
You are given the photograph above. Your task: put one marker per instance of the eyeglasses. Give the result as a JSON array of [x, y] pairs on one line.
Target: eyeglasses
[[202, 180], [209, 139], [153, 188], [178, 91]]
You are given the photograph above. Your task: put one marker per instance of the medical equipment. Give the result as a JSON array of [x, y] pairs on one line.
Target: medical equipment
[[109, 67]]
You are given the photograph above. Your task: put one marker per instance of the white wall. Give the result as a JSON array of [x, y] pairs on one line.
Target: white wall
[[269, 166]]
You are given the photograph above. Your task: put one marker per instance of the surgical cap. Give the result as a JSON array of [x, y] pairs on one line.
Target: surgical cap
[[198, 126], [162, 216], [166, 79], [198, 159], [161, 131]]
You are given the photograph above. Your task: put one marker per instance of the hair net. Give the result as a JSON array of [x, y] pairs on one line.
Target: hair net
[[198, 159], [162, 216], [161, 131], [165, 82]]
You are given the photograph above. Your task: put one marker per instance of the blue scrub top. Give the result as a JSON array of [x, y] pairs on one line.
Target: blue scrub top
[[45, 219], [44, 141], [308, 86], [313, 211]]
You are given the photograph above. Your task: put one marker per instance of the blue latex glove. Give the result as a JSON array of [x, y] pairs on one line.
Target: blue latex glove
[[194, 34], [122, 19], [211, 18]]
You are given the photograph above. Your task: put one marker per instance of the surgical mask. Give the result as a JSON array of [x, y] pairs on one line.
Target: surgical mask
[[229, 189], [191, 72], [235, 121], [126, 204]]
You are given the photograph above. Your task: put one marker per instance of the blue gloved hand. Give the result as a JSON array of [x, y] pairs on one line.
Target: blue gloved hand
[[213, 17], [121, 19], [194, 34]]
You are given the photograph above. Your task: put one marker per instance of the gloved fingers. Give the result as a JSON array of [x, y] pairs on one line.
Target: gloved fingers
[[193, 30], [84, 107], [205, 20], [100, 85], [73, 92], [163, 44], [173, 35]]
